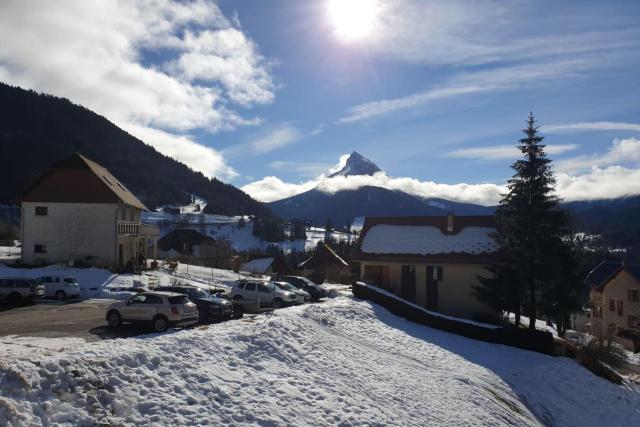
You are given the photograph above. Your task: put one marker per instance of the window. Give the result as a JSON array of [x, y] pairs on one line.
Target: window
[[264, 288], [138, 299], [241, 286], [619, 307], [153, 299], [633, 321], [42, 211], [597, 312], [436, 272], [633, 295], [250, 287], [39, 249], [612, 305], [182, 299]]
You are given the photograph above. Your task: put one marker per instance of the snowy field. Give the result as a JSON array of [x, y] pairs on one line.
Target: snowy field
[[228, 227], [342, 362]]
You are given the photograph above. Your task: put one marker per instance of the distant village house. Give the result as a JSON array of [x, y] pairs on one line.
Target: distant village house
[[615, 302], [325, 265]]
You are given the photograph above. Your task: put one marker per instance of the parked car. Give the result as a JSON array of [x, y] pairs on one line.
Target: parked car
[[19, 290], [159, 309], [316, 291], [60, 287], [303, 296], [210, 308], [266, 292]]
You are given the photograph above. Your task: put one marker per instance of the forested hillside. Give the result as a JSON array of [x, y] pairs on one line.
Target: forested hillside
[[37, 130]]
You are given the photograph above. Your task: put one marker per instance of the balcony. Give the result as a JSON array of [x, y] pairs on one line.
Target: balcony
[[137, 229]]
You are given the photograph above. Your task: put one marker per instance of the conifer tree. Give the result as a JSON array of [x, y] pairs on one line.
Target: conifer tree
[[533, 233]]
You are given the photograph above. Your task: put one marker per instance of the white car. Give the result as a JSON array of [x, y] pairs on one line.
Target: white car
[[160, 309], [267, 293], [303, 296], [60, 287]]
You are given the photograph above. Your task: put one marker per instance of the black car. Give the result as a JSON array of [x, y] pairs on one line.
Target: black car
[[316, 291], [210, 308]]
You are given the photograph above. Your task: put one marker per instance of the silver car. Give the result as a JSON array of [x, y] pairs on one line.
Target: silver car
[[160, 309], [60, 287], [267, 293], [303, 296]]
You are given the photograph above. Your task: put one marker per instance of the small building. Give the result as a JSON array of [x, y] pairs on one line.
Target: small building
[[79, 211], [615, 302], [325, 264], [433, 261], [186, 242], [265, 265]]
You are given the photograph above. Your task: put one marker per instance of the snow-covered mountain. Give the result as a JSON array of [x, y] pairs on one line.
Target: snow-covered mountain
[[357, 164], [343, 206]]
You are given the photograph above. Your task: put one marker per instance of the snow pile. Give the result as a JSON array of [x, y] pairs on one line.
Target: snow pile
[[427, 240], [342, 362]]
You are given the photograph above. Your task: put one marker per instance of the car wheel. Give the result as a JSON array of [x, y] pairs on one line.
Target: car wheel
[[114, 319], [14, 298], [277, 303], [238, 312], [60, 295], [160, 324]]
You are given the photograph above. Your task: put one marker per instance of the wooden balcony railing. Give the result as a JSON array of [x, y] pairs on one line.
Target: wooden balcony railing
[[136, 229]]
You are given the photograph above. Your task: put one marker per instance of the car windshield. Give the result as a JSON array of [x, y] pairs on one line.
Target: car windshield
[[199, 293], [285, 286], [69, 280]]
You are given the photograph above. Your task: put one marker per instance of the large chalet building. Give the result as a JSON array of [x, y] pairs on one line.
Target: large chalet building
[[79, 211]]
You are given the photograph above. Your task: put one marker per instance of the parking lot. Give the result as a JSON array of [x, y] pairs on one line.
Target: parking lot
[[79, 319]]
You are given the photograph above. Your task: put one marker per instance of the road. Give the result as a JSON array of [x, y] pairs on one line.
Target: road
[[81, 319]]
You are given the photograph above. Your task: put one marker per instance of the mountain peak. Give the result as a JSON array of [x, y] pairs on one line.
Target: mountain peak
[[357, 164]]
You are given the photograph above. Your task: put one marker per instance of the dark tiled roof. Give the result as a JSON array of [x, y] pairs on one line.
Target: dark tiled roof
[[602, 273], [178, 237], [78, 179], [323, 255]]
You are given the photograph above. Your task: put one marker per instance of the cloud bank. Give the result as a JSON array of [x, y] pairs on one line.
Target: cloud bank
[[600, 176], [157, 68]]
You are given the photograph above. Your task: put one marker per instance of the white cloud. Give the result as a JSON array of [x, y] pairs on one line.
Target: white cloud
[[461, 32], [590, 126], [470, 83], [308, 169], [501, 152], [271, 188], [95, 53], [599, 183], [622, 151], [599, 176], [276, 137]]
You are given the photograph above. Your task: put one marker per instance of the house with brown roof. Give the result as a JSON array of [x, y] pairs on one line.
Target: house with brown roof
[[325, 264], [78, 210], [615, 302], [433, 261]]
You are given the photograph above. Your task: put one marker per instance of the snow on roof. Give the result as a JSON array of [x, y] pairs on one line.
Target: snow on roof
[[258, 265], [427, 240]]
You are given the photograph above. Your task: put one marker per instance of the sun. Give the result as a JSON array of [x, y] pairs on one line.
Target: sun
[[352, 19]]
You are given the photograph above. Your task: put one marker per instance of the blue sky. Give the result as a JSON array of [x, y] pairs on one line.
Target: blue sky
[[268, 95]]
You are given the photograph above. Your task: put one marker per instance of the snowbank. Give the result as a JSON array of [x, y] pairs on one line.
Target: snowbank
[[342, 362]]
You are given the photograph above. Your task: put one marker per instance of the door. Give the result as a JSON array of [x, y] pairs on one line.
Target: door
[[434, 274], [266, 294], [121, 255], [408, 282], [135, 309]]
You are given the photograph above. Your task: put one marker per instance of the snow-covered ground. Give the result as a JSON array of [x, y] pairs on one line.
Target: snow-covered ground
[[342, 362], [229, 228], [9, 254], [100, 283]]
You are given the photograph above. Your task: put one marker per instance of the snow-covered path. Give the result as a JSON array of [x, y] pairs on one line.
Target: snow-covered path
[[342, 362]]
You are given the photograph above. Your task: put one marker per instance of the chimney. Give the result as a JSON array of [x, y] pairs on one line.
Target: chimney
[[450, 222]]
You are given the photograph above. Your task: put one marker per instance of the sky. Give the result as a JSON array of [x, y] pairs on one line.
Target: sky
[[270, 95]]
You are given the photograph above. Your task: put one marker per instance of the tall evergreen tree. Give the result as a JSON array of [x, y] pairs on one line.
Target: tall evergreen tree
[[533, 234]]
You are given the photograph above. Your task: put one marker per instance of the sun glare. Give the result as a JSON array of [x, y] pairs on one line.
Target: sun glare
[[352, 19]]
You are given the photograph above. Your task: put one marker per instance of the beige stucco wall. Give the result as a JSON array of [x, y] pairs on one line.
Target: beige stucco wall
[[455, 291], [616, 289], [69, 231]]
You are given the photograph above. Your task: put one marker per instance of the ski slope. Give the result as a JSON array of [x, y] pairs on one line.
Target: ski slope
[[342, 362]]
